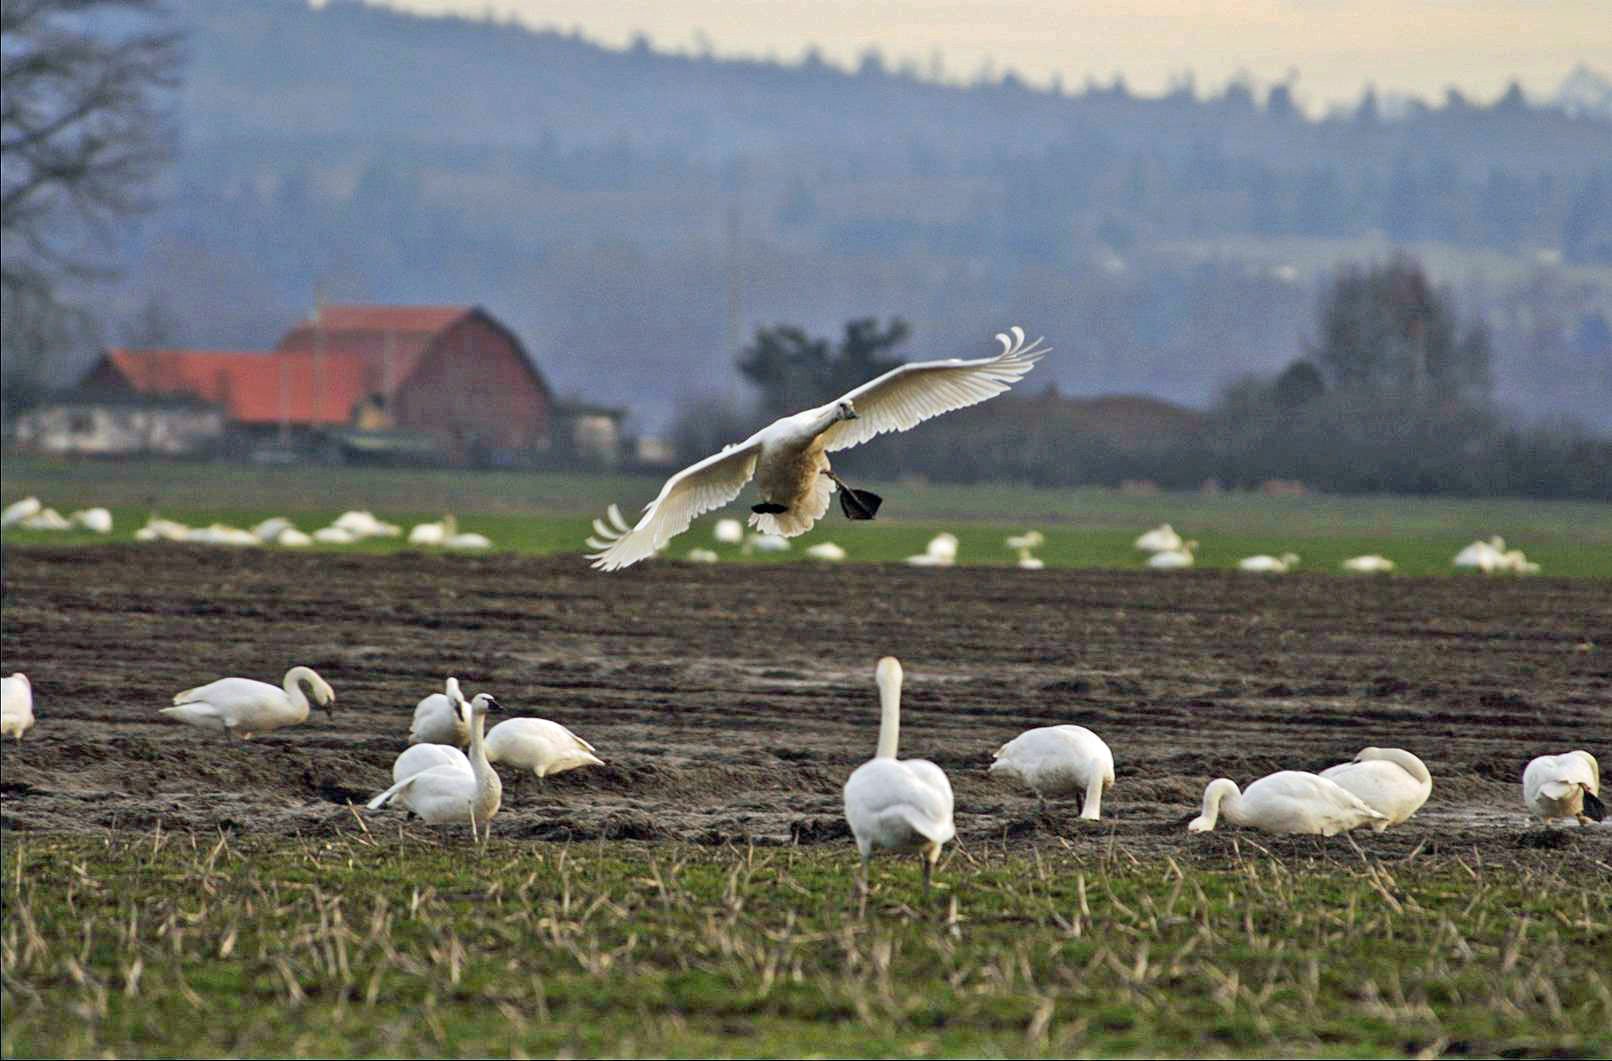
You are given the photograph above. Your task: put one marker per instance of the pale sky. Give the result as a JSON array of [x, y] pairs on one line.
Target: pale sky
[[1401, 46]]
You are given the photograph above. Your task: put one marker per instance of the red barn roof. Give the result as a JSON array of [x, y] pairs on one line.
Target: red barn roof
[[256, 388], [392, 338]]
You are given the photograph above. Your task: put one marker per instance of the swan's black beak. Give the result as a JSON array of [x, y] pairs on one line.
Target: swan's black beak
[[494, 707], [330, 708]]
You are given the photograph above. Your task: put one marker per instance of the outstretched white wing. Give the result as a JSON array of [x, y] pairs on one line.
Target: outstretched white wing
[[699, 488], [911, 394]]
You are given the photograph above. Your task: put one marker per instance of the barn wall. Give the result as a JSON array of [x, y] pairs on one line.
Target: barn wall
[[473, 386]]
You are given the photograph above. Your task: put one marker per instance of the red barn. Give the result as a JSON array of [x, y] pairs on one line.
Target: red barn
[[453, 373]]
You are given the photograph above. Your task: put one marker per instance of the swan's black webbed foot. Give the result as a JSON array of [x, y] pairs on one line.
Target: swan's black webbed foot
[[859, 504], [769, 508]]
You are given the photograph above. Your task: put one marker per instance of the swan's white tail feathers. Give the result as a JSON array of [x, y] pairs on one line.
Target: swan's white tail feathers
[[385, 797]]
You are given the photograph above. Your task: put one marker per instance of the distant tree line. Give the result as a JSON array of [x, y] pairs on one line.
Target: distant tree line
[[1392, 397]]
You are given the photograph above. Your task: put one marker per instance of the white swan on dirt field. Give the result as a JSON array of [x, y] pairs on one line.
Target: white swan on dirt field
[[445, 794], [1290, 801], [897, 804], [418, 758], [438, 720], [1564, 786], [1390, 781], [16, 705], [789, 458], [539, 745], [245, 707], [1059, 761]]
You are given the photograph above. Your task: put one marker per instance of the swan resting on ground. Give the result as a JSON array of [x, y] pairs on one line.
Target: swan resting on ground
[[539, 745], [438, 720], [1564, 786], [1161, 539], [445, 794], [789, 458], [1265, 563], [1390, 781], [245, 707], [1173, 559], [1059, 761], [16, 705], [1370, 564], [1289, 801], [897, 804]]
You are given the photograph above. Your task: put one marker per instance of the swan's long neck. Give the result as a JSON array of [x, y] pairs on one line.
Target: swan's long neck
[[1222, 796], [293, 688], [1092, 808], [1407, 762], [889, 712]]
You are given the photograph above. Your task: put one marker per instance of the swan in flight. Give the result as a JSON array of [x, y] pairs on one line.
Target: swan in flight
[[16, 706], [245, 707], [1059, 761], [1564, 786], [897, 804], [536, 744], [1289, 801], [438, 719], [445, 794], [789, 458], [1390, 781]]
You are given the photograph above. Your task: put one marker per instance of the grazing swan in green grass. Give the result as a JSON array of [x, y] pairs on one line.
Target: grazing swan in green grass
[[539, 745], [438, 719], [245, 707], [1391, 781], [1485, 556], [789, 458], [1290, 801], [1264, 563], [897, 804], [97, 520], [16, 706], [445, 794], [1370, 564], [1161, 539], [18, 511], [729, 531], [827, 552], [1564, 786], [1059, 761], [1173, 559]]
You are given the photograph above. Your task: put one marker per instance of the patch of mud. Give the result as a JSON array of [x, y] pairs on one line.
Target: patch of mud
[[731, 710]]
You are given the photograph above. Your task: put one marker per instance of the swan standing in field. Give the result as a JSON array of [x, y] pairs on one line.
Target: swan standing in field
[[897, 804], [1173, 559], [1264, 563], [16, 706], [1290, 801], [1564, 786], [754, 543], [468, 541], [291, 538], [418, 758], [365, 525], [1161, 539], [539, 745], [1370, 564], [1059, 761], [1391, 781], [728, 531], [1483, 556], [789, 458], [47, 519], [269, 530], [445, 794], [438, 718], [158, 529], [245, 707], [699, 556], [940, 552], [434, 533], [334, 536]]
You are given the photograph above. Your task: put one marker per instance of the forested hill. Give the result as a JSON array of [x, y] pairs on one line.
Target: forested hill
[[614, 206]]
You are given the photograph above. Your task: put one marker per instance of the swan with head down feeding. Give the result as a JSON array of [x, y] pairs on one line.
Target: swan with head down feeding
[[1564, 786], [1059, 761], [897, 804], [1391, 781], [245, 707], [789, 458], [1289, 801]]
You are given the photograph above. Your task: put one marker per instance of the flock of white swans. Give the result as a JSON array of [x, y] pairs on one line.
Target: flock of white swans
[[1168, 551], [891, 804]]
